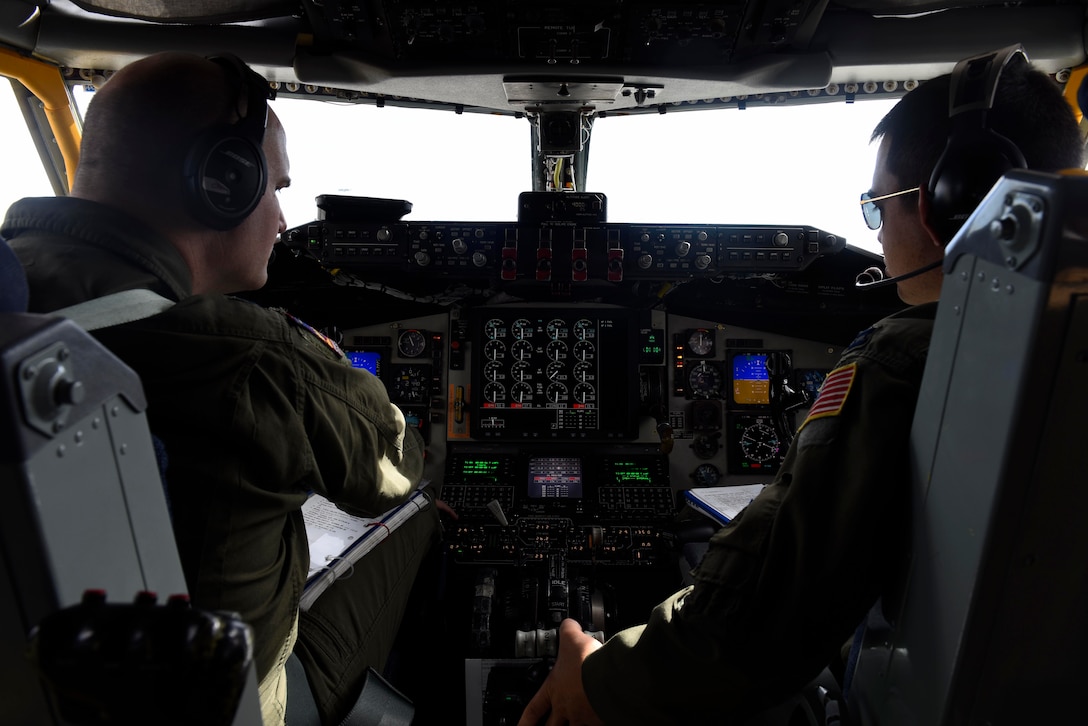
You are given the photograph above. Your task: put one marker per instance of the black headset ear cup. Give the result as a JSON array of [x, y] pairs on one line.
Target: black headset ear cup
[[225, 169], [971, 164], [226, 175], [975, 156]]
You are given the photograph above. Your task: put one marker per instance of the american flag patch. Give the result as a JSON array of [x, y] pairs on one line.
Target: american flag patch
[[833, 393]]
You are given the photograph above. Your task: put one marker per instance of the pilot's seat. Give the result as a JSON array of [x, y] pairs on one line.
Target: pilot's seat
[[991, 628], [84, 512]]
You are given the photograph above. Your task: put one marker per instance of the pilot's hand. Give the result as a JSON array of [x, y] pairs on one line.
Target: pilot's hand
[[561, 699]]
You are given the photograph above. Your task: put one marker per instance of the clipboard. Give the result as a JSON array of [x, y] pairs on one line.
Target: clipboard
[[722, 504], [338, 540]]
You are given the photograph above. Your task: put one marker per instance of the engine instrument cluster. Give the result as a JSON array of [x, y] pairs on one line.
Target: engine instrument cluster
[[545, 373]]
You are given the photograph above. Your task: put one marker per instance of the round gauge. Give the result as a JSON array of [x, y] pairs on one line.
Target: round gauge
[[521, 392], [556, 350], [584, 329], [411, 343], [759, 442], [705, 381], [493, 370], [557, 329], [522, 329], [706, 446], [584, 350], [521, 350], [411, 384], [706, 475], [494, 328], [811, 380], [494, 349], [556, 392], [583, 372], [521, 371], [554, 371], [495, 392], [701, 342], [584, 393]]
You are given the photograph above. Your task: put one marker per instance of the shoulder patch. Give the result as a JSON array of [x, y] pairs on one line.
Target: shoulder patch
[[861, 338], [315, 332], [833, 393]]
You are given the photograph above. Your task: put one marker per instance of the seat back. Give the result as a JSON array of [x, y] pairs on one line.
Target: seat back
[[84, 508], [990, 628], [13, 288]]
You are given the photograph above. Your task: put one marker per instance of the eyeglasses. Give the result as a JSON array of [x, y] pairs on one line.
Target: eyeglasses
[[871, 212]]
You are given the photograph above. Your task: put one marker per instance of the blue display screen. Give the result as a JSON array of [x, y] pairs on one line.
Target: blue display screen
[[751, 384], [366, 360]]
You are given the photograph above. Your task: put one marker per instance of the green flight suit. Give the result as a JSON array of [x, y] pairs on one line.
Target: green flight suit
[[784, 585], [255, 410]]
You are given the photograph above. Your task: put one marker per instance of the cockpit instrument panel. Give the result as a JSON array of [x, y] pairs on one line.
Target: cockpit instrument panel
[[554, 373]]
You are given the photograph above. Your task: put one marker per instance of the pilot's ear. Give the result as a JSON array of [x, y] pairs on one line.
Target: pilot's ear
[[923, 215]]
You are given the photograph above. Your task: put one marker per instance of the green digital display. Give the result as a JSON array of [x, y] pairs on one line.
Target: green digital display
[[651, 346], [480, 467], [629, 472]]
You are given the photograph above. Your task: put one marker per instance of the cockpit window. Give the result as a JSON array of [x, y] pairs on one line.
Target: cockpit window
[[798, 165], [451, 167], [23, 174], [764, 165], [778, 165]]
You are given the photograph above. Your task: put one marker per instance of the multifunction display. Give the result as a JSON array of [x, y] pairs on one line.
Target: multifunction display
[[555, 476], [751, 381]]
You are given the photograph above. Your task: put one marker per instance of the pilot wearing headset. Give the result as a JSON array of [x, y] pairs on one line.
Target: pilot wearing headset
[[784, 585], [175, 200]]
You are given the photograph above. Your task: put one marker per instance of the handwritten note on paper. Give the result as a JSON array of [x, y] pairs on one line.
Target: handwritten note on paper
[[330, 531], [338, 540]]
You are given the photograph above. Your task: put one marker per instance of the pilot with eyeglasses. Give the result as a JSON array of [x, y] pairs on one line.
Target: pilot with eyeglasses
[[786, 583]]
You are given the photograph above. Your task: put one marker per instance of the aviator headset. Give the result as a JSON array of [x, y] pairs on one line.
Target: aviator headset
[[225, 169], [975, 156]]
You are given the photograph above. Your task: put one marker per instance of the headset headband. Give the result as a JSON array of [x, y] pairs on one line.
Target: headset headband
[[974, 80], [252, 123]]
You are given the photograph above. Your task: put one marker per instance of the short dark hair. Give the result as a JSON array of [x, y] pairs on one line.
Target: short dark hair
[[139, 126], [1029, 110]]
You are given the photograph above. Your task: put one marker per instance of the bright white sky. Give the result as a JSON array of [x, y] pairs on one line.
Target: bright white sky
[[779, 165], [764, 165]]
